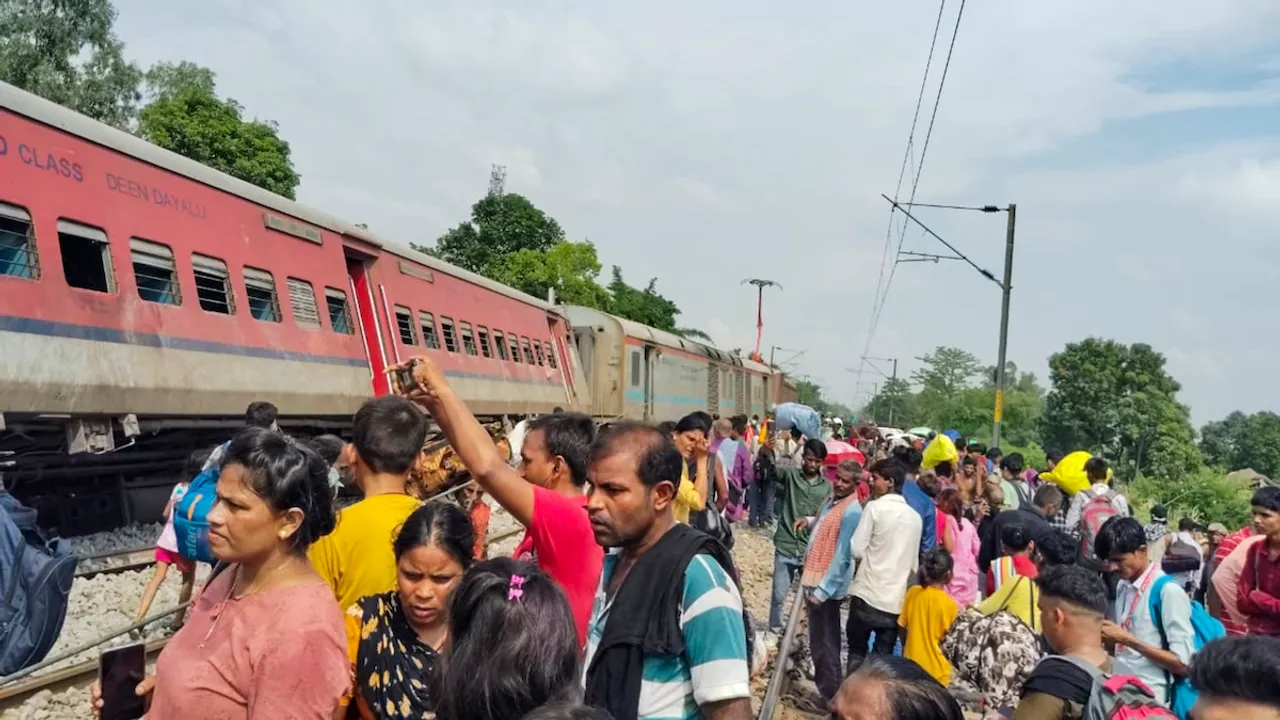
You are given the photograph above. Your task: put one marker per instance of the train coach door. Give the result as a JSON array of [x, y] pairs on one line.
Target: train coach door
[[367, 318], [651, 355]]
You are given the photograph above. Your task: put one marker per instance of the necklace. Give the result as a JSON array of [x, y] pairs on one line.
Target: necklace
[[254, 587]]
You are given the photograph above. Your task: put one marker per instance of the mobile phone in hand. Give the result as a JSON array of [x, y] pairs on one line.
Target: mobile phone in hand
[[119, 672], [405, 379]]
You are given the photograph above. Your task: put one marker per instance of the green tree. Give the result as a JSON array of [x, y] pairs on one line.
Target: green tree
[[188, 118], [569, 268], [894, 404], [1241, 441], [510, 240], [1204, 494], [948, 398], [169, 79], [1118, 401], [500, 225], [810, 393], [645, 306], [944, 378], [65, 51]]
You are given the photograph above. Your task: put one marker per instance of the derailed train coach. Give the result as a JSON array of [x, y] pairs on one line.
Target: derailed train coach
[[638, 372], [146, 300]]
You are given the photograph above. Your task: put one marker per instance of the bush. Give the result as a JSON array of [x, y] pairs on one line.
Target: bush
[[1206, 495]]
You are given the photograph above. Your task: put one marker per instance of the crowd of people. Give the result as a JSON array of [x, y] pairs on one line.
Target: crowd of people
[[1016, 593], [973, 581]]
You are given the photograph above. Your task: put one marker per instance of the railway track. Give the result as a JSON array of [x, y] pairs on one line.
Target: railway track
[[129, 560], [14, 694]]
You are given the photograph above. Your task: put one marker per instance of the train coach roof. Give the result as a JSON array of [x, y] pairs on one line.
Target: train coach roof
[[49, 113]]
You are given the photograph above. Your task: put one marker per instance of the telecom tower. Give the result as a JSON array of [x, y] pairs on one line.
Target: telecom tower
[[497, 179]]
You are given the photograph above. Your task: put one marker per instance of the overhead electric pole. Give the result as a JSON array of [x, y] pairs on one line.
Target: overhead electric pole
[[1006, 287], [893, 377], [760, 286]]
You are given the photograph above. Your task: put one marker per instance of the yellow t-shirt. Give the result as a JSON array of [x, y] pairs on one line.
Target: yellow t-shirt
[[927, 614], [687, 497], [1020, 597], [356, 559]]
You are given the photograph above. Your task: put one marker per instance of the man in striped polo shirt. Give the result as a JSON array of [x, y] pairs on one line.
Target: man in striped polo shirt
[[667, 637]]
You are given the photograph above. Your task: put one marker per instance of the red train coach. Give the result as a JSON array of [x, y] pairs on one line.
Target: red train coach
[[146, 299]]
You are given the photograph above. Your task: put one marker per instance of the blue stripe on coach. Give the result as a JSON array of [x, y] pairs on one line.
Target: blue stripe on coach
[[49, 328], [31, 326]]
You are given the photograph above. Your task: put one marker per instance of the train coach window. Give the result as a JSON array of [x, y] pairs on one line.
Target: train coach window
[[513, 342], [446, 329], [302, 303], [500, 344], [635, 368], [528, 354], [537, 352], [482, 335], [17, 243], [468, 338], [404, 323], [339, 313], [551, 355], [213, 284], [264, 304], [154, 272], [429, 336], [86, 259]]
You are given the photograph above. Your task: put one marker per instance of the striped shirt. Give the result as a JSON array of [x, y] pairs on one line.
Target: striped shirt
[[713, 667]]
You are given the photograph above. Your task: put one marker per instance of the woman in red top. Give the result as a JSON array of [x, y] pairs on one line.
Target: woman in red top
[[265, 636]]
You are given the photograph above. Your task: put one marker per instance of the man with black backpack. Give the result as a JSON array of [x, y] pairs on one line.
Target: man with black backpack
[[1182, 557]]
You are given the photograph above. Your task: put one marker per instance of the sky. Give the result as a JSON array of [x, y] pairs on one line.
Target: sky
[[705, 143]]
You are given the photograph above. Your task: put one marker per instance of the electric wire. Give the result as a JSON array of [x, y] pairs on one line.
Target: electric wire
[[907, 158], [882, 290]]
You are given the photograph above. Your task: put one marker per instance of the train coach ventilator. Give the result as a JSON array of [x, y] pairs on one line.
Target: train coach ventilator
[[36, 573], [191, 513]]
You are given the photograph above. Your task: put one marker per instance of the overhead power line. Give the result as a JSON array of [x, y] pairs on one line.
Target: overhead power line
[[882, 289], [902, 174]]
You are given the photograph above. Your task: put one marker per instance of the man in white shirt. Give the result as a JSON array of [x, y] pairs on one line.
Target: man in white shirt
[[1157, 650], [886, 548], [788, 449]]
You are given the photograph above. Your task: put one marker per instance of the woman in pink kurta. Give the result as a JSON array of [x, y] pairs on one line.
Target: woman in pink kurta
[[960, 538], [279, 653], [265, 638]]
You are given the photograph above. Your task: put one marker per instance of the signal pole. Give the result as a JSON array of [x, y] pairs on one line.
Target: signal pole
[[760, 286]]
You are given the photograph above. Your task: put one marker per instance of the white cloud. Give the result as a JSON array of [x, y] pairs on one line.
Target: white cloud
[[706, 143]]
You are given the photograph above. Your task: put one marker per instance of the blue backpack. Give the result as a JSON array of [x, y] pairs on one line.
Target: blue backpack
[[1207, 629], [191, 512], [36, 573]]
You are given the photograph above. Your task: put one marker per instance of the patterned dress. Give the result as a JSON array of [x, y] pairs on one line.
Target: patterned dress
[[393, 672]]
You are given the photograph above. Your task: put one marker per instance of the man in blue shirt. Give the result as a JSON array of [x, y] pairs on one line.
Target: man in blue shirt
[[918, 499]]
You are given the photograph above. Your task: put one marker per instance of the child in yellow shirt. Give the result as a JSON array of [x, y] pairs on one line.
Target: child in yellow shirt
[[927, 614]]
